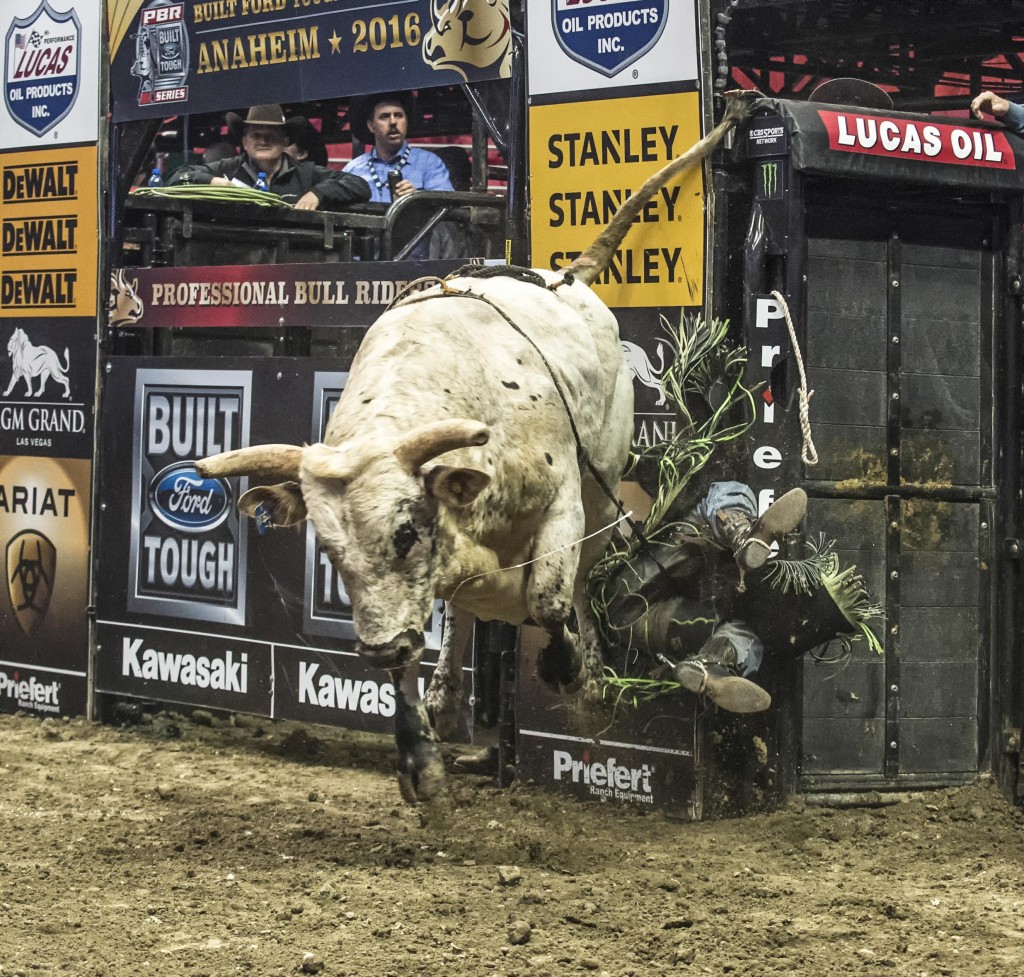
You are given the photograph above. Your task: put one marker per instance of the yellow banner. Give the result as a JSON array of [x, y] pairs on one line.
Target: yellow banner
[[49, 232], [585, 159]]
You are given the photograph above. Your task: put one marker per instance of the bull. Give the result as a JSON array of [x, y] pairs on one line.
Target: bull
[[472, 457]]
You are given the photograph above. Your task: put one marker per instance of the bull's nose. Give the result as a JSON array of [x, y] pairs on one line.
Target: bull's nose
[[403, 648]]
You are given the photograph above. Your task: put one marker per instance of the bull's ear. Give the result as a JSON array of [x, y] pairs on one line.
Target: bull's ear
[[274, 506], [324, 461], [455, 486]]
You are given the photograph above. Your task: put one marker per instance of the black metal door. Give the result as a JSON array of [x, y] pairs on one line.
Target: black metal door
[[899, 339]]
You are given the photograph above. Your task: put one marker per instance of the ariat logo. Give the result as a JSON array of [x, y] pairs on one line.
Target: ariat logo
[[606, 778], [31, 567], [226, 673], [770, 188]]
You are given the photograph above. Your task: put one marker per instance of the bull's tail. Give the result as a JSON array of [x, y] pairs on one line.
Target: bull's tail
[[595, 259]]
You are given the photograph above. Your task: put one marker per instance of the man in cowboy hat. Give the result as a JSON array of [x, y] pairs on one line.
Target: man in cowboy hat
[[382, 122], [303, 184]]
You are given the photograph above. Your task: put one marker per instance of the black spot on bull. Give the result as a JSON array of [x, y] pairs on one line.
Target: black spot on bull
[[511, 384], [405, 538], [548, 458]]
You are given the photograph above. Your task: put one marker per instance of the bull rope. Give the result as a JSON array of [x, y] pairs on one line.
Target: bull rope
[[536, 559], [808, 453]]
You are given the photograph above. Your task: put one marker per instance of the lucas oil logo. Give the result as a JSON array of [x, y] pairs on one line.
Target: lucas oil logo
[[608, 35], [188, 546], [42, 68], [161, 53]]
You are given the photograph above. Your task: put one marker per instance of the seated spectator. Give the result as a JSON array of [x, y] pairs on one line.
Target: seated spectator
[[382, 121], [301, 183], [219, 150], [306, 142]]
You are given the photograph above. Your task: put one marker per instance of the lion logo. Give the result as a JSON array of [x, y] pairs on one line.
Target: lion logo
[[29, 362], [124, 307], [472, 37]]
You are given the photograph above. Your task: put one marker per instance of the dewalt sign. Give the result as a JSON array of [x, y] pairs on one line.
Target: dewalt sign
[[582, 169], [48, 242]]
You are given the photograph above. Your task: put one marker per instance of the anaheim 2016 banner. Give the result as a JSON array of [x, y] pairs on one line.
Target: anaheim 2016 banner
[[170, 57]]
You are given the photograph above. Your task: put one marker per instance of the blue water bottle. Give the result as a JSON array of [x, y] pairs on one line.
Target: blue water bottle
[[261, 181], [155, 179]]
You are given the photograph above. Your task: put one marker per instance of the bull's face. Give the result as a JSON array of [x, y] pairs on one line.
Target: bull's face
[[379, 514], [379, 527]]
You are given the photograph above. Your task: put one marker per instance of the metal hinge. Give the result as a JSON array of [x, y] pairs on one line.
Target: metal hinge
[[1012, 547]]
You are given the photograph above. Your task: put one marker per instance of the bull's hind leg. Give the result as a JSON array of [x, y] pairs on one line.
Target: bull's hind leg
[[420, 767], [444, 696], [549, 590]]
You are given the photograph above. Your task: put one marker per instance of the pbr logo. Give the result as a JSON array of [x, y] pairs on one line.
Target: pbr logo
[[608, 35], [42, 68], [187, 544], [161, 53], [31, 566]]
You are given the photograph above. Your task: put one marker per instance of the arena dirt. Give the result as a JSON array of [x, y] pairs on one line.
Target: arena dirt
[[245, 847]]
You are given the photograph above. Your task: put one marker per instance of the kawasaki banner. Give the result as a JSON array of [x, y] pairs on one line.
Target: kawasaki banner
[[170, 57]]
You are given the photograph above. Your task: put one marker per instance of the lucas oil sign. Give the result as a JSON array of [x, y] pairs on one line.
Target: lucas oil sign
[[187, 544], [608, 35], [42, 67]]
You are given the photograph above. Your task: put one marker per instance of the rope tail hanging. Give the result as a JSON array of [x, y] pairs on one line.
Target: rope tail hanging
[[807, 452]]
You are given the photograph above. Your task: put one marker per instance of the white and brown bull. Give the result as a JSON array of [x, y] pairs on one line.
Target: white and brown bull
[[464, 462]]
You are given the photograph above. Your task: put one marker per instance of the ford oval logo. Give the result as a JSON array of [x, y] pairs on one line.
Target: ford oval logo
[[181, 498]]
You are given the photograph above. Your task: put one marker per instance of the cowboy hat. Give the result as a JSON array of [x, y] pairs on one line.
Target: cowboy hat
[[264, 115], [360, 111]]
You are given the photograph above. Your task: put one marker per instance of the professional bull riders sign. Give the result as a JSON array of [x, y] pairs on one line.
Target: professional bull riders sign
[[261, 296], [172, 57]]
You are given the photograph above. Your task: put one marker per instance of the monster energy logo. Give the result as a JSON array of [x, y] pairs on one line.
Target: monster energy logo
[[770, 189]]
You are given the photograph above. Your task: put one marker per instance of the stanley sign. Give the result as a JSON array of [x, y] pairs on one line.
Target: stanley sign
[[582, 169]]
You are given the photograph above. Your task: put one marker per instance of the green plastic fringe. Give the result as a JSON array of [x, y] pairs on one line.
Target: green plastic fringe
[[226, 195]]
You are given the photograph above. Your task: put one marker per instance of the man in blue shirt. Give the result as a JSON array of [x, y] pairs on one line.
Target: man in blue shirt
[[1009, 113], [384, 122]]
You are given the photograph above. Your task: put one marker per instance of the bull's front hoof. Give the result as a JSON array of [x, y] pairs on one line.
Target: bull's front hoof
[[420, 774]]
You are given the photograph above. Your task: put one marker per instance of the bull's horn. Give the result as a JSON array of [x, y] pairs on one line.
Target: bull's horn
[[326, 461], [424, 443], [260, 461], [595, 259]]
